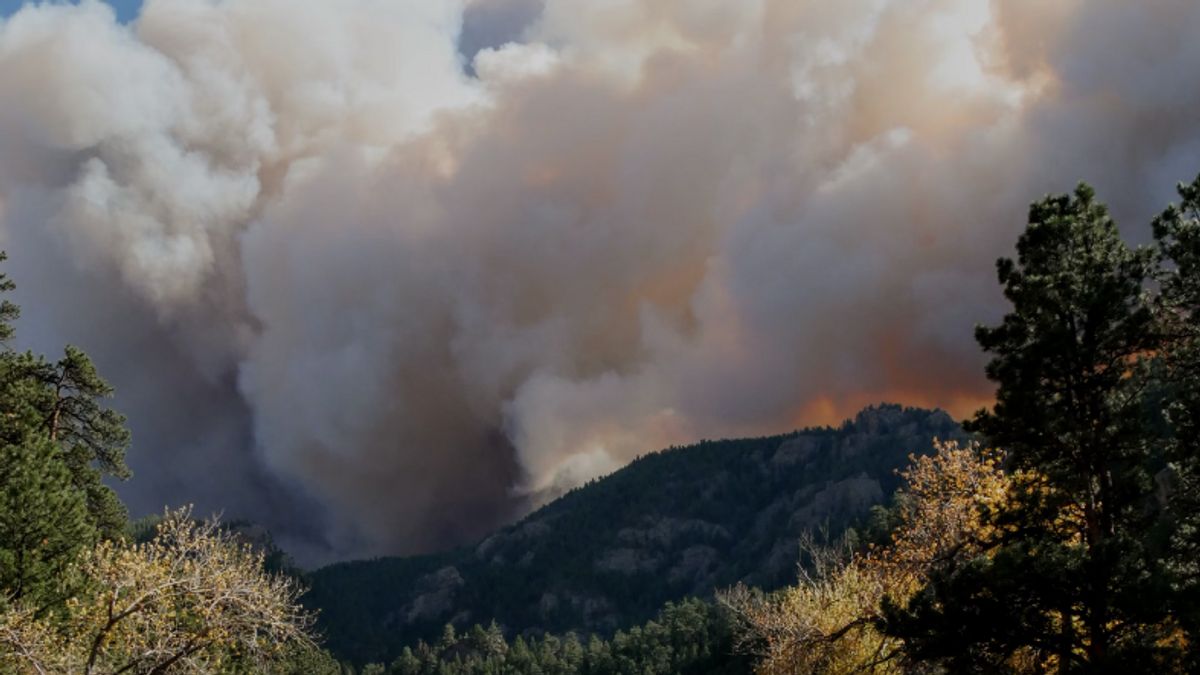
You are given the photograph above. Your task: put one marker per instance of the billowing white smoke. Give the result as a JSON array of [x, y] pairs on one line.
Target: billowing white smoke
[[382, 288]]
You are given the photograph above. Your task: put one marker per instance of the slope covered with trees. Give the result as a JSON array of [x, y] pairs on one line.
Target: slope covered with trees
[[692, 637], [673, 524]]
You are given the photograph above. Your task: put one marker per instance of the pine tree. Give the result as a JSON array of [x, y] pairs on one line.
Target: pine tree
[[495, 637], [92, 438], [8, 311], [43, 516], [1177, 232], [572, 653], [43, 519], [599, 659], [1071, 577], [520, 657], [448, 640], [406, 664], [62, 401]]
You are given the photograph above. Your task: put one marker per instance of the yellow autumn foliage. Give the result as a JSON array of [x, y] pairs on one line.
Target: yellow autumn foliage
[[827, 622], [193, 599]]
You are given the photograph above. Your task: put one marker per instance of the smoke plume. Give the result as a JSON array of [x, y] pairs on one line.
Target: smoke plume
[[382, 274]]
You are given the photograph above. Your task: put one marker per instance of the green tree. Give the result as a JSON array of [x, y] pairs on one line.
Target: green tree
[[406, 664], [43, 519], [43, 516], [1177, 232], [448, 640], [1071, 577], [521, 658], [62, 400], [91, 437], [572, 653], [8, 311]]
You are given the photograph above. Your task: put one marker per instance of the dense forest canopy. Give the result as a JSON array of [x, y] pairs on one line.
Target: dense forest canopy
[[683, 522]]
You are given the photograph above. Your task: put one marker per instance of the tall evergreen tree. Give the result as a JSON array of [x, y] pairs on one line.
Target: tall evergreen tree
[[43, 518], [1177, 232], [56, 443], [1071, 578], [8, 311], [63, 400]]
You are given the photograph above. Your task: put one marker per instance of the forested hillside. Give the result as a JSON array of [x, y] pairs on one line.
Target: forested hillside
[[673, 524], [692, 637]]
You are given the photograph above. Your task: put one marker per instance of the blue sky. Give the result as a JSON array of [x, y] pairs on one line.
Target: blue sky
[[126, 9]]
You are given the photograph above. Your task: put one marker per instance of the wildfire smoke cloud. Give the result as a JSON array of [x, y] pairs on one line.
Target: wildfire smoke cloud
[[382, 274]]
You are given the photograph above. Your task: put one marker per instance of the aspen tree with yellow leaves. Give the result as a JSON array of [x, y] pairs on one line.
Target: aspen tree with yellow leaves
[[193, 599], [829, 622]]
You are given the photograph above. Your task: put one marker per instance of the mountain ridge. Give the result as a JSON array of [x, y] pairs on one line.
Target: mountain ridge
[[676, 523]]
